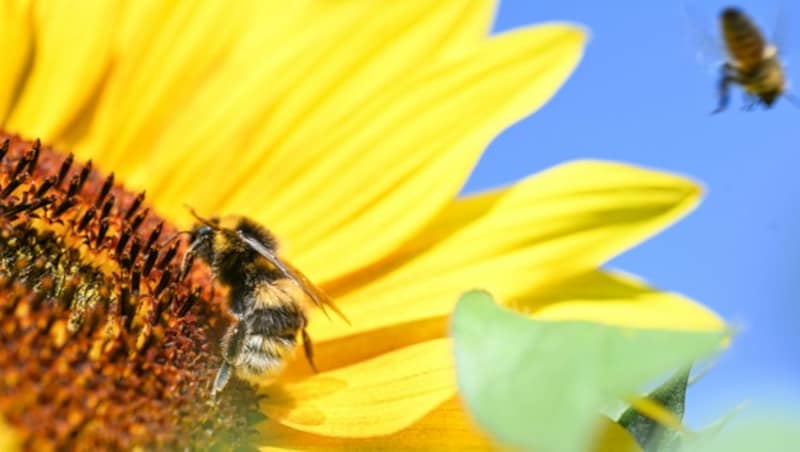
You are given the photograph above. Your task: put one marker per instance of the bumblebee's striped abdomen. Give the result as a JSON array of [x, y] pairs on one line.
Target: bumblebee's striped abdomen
[[259, 346], [263, 357], [744, 41]]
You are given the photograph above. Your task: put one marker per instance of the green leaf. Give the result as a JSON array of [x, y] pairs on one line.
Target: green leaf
[[765, 432], [540, 385], [651, 435], [707, 436]]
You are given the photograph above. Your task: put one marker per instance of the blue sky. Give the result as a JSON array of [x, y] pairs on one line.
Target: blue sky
[[641, 96]]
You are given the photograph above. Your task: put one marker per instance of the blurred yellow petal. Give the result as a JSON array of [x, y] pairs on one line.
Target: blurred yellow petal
[[16, 42], [447, 427], [8, 439], [658, 412], [376, 397], [618, 299], [551, 227], [614, 438], [71, 54]]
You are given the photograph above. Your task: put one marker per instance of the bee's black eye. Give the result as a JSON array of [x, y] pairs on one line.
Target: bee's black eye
[[200, 232]]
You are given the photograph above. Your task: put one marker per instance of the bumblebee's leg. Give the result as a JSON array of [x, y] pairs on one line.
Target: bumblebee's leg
[[723, 88], [233, 342], [232, 345], [213, 287], [223, 375], [309, 350], [186, 262]]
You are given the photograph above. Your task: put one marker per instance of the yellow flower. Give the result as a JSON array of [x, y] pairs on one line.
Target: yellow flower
[[348, 128]]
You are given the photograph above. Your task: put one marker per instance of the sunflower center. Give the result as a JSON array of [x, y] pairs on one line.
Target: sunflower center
[[102, 344]]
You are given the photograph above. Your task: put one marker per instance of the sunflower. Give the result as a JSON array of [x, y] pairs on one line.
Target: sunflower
[[347, 127]]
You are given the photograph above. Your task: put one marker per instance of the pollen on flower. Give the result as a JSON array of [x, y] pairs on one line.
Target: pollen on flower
[[102, 342]]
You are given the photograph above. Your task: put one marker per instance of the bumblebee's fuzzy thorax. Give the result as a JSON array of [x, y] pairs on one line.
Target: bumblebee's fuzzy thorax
[[220, 246]]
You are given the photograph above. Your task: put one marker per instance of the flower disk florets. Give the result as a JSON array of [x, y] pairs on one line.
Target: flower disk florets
[[103, 345]]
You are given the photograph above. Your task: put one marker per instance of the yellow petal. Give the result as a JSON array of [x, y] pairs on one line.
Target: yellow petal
[[380, 396], [618, 299], [458, 215], [382, 170], [447, 427], [427, 138], [346, 348], [474, 25], [71, 56], [314, 62], [16, 42], [165, 51], [542, 231], [597, 296]]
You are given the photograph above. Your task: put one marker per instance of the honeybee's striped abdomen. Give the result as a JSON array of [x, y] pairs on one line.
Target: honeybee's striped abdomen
[[746, 45]]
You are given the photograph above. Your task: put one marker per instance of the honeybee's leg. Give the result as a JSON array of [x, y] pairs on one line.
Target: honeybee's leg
[[724, 94], [309, 350], [750, 102], [723, 88]]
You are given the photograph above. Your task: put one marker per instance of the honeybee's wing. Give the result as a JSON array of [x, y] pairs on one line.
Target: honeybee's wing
[[709, 49], [315, 293], [780, 36]]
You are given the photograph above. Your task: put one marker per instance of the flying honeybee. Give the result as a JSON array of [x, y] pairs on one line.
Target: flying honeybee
[[753, 63], [266, 296]]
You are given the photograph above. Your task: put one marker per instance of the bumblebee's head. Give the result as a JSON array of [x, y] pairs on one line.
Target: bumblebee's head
[[201, 241], [201, 236]]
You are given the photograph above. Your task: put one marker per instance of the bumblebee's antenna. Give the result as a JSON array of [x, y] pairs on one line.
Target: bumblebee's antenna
[[201, 219], [174, 236]]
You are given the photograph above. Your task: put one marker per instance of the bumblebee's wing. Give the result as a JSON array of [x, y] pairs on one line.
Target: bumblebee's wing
[[315, 293], [318, 295]]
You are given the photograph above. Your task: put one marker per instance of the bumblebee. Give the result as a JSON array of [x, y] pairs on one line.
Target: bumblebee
[[267, 296], [753, 63]]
